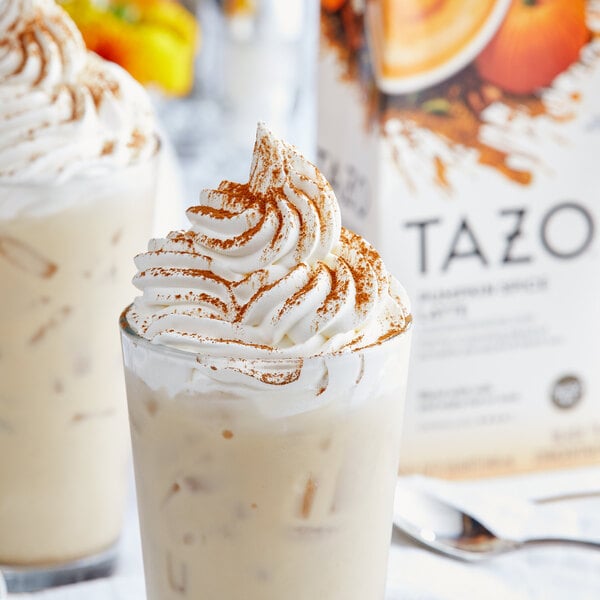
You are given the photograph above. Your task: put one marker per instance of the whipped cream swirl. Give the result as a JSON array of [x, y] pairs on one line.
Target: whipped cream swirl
[[266, 268], [63, 110]]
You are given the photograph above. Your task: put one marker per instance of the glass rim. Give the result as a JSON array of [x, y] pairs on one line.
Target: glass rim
[[126, 329]]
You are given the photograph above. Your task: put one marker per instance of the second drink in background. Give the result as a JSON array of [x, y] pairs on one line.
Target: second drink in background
[[78, 154]]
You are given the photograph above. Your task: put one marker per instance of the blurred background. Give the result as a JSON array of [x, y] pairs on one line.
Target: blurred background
[[213, 68]]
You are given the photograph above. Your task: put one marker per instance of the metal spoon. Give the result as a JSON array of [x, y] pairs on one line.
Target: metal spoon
[[440, 526]]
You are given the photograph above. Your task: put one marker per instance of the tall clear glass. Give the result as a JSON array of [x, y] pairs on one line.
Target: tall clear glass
[[265, 479], [65, 268]]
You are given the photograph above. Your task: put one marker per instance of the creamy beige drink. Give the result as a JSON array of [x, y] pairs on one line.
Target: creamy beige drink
[[266, 363], [77, 159]]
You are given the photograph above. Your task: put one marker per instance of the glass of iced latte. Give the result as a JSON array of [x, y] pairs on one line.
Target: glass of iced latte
[[77, 164], [266, 362]]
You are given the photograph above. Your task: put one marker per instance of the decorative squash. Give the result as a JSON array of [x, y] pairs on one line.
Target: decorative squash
[[155, 40], [538, 40]]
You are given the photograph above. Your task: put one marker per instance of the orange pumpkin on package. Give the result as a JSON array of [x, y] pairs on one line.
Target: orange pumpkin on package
[[538, 40]]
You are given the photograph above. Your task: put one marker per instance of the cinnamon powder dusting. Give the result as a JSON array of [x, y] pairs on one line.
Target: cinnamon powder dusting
[[344, 274], [338, 289], [137, 141], [273, 377], [108, 148], [297, 298]]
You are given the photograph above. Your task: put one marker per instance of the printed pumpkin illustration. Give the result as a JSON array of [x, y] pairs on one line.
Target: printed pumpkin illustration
[[155, 40], [538, 40]]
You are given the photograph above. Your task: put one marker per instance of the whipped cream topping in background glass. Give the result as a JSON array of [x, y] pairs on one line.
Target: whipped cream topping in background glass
[[266, 270], [63, 110]]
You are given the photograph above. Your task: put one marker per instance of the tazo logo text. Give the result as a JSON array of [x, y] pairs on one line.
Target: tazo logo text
[[466, 244]]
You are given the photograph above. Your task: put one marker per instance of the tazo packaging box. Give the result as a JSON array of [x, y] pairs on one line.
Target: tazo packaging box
[[463, 139]]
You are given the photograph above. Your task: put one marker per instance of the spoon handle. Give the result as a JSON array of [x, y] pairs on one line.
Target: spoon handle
[[588, 543]]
